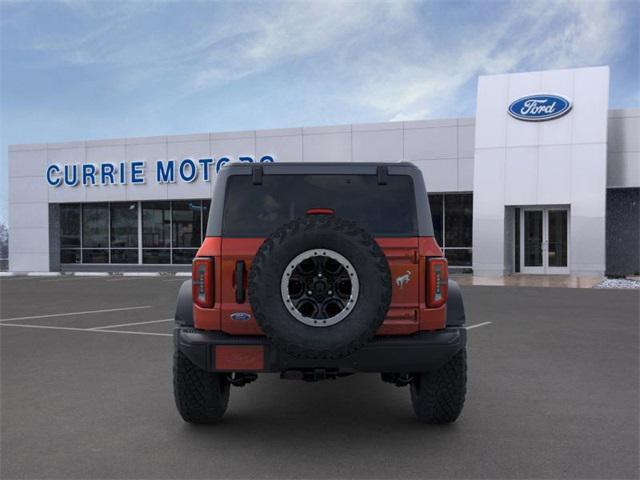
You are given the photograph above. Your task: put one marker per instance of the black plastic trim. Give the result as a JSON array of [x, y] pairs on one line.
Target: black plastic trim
[[239, 279], [382, 175], [257, 175], [420, 352], [184, 305], [455, 306]]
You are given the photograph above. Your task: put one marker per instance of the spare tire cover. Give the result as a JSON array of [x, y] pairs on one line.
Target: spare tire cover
[[320, 287]]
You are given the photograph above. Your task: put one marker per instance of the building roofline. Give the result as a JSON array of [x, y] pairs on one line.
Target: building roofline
[[304, 131]]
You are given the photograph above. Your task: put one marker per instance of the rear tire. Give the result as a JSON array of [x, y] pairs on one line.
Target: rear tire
[[438, 397], [201, 397]]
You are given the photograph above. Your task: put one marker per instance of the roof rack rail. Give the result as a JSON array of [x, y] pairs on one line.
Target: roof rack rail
[[383, 172], [256, 175]]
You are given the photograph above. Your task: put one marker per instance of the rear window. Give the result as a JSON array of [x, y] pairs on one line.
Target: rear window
[[257, 210]]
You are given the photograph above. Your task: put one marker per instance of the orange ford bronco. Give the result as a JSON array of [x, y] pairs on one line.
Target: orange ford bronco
[[317, 271]]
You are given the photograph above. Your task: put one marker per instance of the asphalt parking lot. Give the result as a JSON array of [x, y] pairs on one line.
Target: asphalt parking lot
[[86, 393]]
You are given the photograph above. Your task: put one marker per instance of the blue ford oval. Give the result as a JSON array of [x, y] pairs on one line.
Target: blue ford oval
[[240, 316], [536, 108]]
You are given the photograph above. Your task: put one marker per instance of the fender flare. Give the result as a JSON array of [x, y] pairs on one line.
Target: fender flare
[[455, 306], [184, 305]]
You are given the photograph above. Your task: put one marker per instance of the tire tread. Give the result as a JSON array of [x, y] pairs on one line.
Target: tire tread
[[438, 397], [201, 397]]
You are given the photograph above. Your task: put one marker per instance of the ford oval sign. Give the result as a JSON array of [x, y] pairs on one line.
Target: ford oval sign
[[536, 108]]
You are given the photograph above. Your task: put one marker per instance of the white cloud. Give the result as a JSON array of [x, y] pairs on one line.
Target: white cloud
[[531, 35], [294, 31], [389, 57], [232, 41]]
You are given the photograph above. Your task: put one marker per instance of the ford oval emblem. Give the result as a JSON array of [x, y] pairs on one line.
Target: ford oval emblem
[[240, 316], [536, 108]]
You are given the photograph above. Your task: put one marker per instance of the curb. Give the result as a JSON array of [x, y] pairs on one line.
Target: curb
[[95, 274], [88, 274]]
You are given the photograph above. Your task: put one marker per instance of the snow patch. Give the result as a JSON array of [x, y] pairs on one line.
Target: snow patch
[[624, 283]]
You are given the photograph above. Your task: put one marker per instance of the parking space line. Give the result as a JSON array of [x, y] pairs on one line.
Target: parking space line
[[125, 279], [75, 313], [75, 329], [132, 324], [478, 325], [74, 278], [19, 279]]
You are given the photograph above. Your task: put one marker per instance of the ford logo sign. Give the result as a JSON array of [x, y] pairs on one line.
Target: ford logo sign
[[240, 316], [536, 108]]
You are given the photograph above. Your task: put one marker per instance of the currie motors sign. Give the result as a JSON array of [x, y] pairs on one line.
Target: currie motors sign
[[135, 172], [540, 107]]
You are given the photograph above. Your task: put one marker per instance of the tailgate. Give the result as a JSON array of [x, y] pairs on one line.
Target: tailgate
[[237, 255]]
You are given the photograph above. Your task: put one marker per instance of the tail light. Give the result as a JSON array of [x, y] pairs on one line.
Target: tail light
[[320, 211], [437, 282], [202, 281]]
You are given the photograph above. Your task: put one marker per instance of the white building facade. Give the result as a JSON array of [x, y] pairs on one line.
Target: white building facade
[[545, 179]]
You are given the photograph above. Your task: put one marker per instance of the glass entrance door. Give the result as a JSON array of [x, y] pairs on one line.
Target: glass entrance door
[[544, 240], [557, 241], [533, 241]]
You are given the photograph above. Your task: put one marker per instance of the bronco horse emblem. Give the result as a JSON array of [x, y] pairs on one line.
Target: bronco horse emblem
[[402, 280]]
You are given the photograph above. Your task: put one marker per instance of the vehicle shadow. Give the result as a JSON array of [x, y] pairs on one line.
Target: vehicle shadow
[[355, 408]]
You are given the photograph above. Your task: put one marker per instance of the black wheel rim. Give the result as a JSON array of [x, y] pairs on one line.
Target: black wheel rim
[[320, 287]]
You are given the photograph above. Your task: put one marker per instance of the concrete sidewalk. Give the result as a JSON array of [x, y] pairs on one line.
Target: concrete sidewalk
[[521, 280]]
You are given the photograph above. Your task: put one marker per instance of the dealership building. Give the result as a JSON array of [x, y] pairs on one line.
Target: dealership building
[[545, 179]]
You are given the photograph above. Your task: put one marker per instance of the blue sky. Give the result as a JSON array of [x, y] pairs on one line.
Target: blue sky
[[75, 70]]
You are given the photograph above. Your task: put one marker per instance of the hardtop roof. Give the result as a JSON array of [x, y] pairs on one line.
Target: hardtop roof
[[425, 226]]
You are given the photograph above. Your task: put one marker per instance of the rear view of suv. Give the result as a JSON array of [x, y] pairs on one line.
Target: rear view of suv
[[317, 271]]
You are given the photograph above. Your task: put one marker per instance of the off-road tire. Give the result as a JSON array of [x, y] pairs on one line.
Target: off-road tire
[[438, 397], [315, 232], [201, 397]]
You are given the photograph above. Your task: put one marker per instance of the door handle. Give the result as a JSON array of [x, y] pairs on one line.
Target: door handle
[[239, 277]]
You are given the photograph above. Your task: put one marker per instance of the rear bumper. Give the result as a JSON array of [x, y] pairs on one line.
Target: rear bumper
[[217, 351]]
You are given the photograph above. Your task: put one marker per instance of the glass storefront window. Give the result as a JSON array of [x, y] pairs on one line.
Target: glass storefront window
[[187, 224], [156, 255], [189, 221], [94, 233], [127, 255], [124, 225], [68, 255], [452, 216], [183, 255], [458, 223], [458, 257], [156, 224], [95, 225], [435, 205], [70, 226], [90, 255]]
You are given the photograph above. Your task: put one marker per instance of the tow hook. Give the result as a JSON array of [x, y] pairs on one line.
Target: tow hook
[[241, 379], [398, 379]]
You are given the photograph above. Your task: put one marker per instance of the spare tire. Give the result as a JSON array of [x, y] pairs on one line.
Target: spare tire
[[320, 287]]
